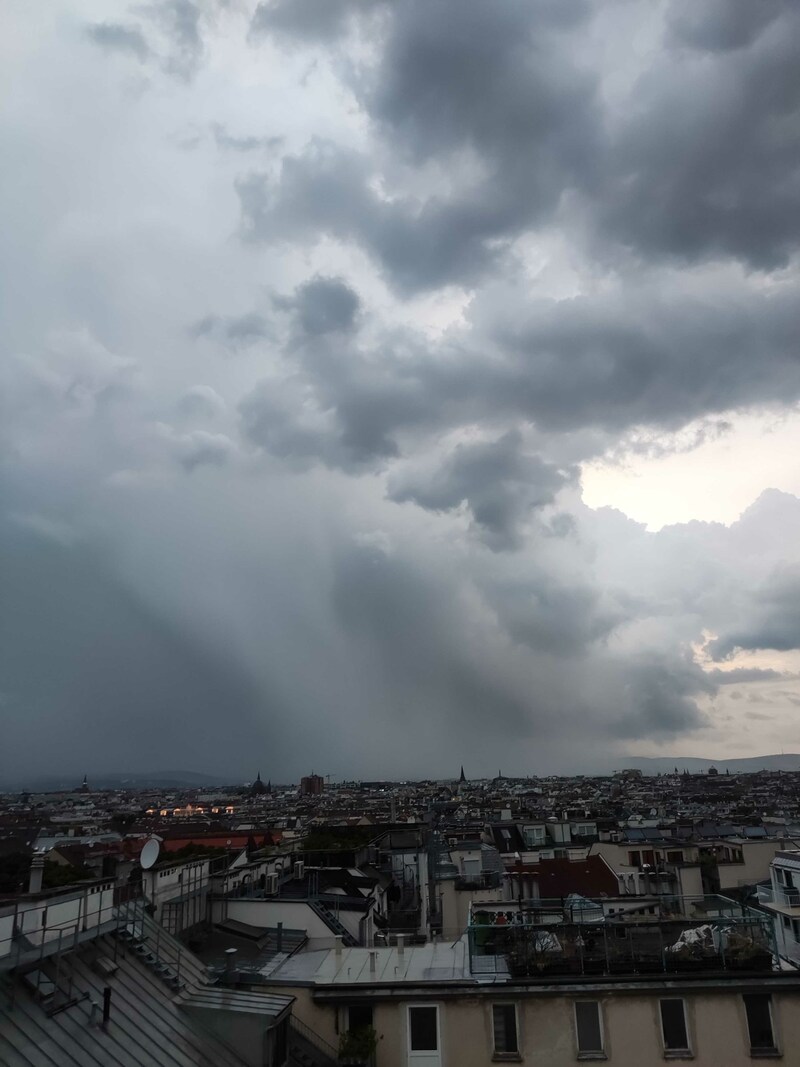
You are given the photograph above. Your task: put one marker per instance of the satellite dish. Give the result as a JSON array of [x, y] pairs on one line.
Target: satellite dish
[[149, 853]]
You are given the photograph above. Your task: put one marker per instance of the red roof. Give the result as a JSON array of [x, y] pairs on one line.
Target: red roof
[[591, 877]]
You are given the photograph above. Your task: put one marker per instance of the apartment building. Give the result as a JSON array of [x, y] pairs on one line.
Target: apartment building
[[782, 900]]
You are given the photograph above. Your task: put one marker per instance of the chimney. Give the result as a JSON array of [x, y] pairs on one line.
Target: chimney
[[230, 963], [37, 872], [106, 1005], [337, 944], [401, 947], [373, 956]]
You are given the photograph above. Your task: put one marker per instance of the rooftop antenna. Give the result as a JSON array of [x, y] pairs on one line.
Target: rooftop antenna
[[149, 853]]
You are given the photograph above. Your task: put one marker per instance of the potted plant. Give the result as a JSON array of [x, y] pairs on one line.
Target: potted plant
[[357, 1047]]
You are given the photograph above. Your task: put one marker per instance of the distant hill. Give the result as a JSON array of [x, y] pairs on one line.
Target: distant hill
[[154, 780], [789, 761]]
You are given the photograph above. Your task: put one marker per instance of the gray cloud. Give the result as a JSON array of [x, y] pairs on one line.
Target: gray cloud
[[116, 37], [721, 26], [180, 21], [326, 305], [235, 330], [685, 167], [507, 243], [498, 481], [307, 20], [774, 618], [228, 141], [740, 675], [612, 363]]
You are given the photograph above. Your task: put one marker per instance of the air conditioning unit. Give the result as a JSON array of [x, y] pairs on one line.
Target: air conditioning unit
[[271, 885], [299, 869]]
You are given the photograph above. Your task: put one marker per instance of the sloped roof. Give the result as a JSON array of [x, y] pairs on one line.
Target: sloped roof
[[147, 1027]]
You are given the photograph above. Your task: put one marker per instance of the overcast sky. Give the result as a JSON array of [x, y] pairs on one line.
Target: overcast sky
[[395, 384]]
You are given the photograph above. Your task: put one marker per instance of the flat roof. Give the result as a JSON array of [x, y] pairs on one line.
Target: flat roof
[[432, 962]]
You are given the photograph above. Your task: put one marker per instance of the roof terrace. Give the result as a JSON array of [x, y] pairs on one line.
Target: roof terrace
[[575, 937]]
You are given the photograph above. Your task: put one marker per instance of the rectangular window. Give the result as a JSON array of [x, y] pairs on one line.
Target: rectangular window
[[759, 1022], [587, 1026], [423, 1029], [673, 1025], [504, 1025]]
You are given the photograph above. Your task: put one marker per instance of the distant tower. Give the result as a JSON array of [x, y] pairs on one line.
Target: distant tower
[[84, 787], [258, 787], [463, 777]]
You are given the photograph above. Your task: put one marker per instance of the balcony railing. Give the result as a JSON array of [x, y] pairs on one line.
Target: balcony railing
[[685, 935], [788, 896], [484, 880]]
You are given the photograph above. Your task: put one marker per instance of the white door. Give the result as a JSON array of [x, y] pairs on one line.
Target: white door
[[424, 1043]]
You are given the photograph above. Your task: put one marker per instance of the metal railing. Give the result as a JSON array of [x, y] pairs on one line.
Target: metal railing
[[327, 1055], [683, 935]]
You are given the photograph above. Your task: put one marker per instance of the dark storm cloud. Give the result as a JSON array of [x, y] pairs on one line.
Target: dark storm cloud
[[706, 164], [102, 675], [326, 305], [700, 161], [773, 618], [498, 481], [422, 649], [741, 675], [118, 38], [660, 692], [325, 190], [641, 356], [451, 77], [321, 531], [655, 356], [721, 25], [549, 613]]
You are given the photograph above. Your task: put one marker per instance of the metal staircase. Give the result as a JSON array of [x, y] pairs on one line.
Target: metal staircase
[[330, 920], [307, 1048], [159, 951]]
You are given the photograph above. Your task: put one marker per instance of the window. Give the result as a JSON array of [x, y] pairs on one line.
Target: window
[[423, 1029], [759, 1022], [673, 1025], [588, 1028], [504, 1025]]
